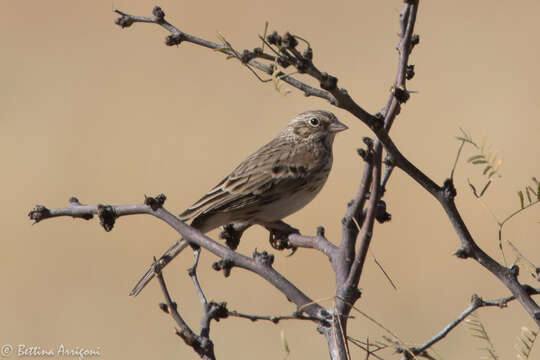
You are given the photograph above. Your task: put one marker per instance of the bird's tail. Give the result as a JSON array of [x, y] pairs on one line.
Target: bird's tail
[[163, 260]]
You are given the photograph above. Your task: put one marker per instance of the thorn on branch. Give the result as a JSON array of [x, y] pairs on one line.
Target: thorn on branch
[[155, 203], [107, 216], [328, 82], [263, 258], [159, 14], [174, 39]]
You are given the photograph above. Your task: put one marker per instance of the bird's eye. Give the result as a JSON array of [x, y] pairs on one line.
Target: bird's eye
[[314, 122]]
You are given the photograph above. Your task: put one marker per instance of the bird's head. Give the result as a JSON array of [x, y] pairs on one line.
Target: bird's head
[[315, 125]]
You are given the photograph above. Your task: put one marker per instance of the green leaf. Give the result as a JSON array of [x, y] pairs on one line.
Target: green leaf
[[521, 199], [475, 157], [475, 162], [487, 169]]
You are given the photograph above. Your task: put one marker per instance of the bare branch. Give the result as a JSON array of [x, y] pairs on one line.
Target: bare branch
[[177, 36], [274, 319], [193, 236], [476, 303], [202, 346]]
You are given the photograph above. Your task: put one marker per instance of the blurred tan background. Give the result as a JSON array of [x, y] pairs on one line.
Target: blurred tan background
[[90, 110]]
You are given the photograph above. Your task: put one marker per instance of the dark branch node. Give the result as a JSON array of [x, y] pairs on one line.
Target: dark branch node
[[328, 82], [347, 220], [155, 202], [449, 190], [263, 258], [320, 231], [381, 215], [174, 39], [217, 311], [163, 307], [124, 21], [389, 160], [415, 40], [225, 264], [284, 61], [476, 301], [107, 216], [409, 72], [246, 56], [367, 154], [514, 271], [39, 213], [274, 39], [289, 41], [400, 94], [463, 253], [158, 13], [308, 53]]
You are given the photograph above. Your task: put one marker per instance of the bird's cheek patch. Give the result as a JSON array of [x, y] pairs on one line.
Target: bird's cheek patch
[[302, 131]]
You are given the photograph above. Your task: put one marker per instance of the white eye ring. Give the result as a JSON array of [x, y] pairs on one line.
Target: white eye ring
[[314, 122]]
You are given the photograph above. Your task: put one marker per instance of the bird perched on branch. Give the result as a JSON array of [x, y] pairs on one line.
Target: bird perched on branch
[[277, 180]]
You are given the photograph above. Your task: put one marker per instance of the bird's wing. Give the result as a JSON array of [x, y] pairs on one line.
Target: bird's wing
[[271, 165]]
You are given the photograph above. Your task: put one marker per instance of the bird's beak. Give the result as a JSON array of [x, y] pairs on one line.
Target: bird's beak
[[337, 127]]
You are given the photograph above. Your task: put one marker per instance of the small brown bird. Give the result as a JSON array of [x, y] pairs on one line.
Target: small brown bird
[[277, 180]]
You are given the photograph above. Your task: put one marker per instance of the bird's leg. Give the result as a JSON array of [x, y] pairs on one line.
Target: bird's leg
[[232, 233], [279, 233]]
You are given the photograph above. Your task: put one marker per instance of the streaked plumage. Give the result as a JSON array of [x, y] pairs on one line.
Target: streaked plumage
[[277, 180]]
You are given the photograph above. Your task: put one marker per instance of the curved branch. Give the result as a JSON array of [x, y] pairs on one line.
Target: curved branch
[[177, 36], [476, 303], [193, 236]]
